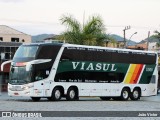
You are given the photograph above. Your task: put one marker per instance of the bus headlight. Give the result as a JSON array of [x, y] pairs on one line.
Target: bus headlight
[[26, 87], [9, 87]]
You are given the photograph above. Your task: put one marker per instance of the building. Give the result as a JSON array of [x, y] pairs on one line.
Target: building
[[151, 46], [10, 40], [7, 51], [8, 34], [139, 46]]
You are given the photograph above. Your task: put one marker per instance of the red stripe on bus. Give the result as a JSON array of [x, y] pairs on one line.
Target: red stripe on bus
[[139, 72], [134, 74]]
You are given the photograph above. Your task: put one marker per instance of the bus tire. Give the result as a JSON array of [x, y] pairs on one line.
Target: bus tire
[[105, 98], [56, 94], [35, 98], [125, 94], [71, 94], [136, 94]]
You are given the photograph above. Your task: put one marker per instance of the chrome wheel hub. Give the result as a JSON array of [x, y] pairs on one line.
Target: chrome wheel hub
[[57, 94], [125, 94], [135, 94], [72, 94]]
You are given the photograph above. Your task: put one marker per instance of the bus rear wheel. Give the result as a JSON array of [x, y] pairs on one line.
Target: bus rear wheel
[[135, 95], [125, 94], [71, 94], [35, 98], [56, 94], [105, 98]]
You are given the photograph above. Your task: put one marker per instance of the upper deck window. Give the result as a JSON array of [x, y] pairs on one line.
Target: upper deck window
[[26, 52], [104, 55]]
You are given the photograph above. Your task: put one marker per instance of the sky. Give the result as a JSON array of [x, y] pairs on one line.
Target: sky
[[43, 16]]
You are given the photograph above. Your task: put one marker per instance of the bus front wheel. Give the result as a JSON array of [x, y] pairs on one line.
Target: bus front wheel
[[56, 94]]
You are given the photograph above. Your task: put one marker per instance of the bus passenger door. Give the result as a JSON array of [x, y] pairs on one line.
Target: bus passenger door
[[47, 84], [39, 88], [42, 84]]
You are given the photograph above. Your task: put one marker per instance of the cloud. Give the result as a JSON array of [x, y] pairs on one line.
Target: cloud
[[11, 1]]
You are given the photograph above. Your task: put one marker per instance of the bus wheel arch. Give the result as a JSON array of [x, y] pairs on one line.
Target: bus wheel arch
[[72, 93], [125, 93], [136, 93], [57, 93]]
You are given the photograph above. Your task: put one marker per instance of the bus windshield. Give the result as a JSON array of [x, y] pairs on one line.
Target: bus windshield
[[19, 75], [26, 52]]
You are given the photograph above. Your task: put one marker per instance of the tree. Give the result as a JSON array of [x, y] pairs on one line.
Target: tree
[[90, 33], [157, 35]]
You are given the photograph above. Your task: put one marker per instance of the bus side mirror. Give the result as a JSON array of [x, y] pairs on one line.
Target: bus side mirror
[[4, 63]]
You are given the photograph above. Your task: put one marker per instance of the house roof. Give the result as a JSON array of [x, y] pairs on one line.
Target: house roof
[[8, 30], [5, 44]]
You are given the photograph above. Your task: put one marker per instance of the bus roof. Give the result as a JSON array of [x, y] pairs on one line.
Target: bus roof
[[39, 44], [85, 46], [108, 48]]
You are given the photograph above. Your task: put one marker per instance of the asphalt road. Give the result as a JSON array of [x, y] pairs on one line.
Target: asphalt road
[[85, 108]]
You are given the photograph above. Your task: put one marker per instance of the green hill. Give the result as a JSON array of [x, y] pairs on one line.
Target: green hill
[[121, 39], [41, 37]]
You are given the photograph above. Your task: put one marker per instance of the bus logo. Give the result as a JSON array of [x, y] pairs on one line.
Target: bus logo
[[93, 66]]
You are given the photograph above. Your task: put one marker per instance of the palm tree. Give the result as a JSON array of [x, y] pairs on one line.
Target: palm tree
[[90, 33], [157, 35]]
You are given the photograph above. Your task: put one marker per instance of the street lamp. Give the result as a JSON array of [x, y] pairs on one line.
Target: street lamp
[[130, 38]]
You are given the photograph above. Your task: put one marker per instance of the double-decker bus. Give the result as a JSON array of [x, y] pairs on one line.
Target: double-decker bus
[[53, 71]]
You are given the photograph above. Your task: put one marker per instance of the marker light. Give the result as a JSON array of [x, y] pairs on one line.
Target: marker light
[[21, 64]]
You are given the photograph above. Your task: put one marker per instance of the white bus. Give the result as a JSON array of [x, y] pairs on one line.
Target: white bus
[[53, 71]]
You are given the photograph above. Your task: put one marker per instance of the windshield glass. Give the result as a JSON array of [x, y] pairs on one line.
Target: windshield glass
[[26, 51], [19, 75]]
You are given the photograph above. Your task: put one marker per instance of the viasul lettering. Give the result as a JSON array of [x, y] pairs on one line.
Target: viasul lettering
[[93, 66]]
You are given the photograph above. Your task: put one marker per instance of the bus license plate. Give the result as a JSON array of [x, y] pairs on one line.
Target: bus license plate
[[16, 94]]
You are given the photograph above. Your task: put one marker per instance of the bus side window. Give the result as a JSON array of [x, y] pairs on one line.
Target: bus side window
[[38, 76], [41, 74], [66, 55], [152, 78]]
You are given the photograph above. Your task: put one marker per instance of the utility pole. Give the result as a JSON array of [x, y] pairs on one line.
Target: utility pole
[[148, 40], [124, 31], [83, 18]]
